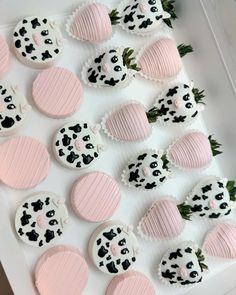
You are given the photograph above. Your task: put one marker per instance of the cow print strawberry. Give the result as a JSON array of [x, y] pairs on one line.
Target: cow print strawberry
[[182, 265], [210, 198], [77, 145], [113, 247], [41, 219], [37, 41], [148, 170], [13, 109], [142, 16]]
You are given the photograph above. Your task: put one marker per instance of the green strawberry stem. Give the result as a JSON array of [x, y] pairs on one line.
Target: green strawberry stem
[[114, 17], [199, 95], [165, 162], [128, 59], [231, 189], [184, 49], [169, 6], [201, 259], [153, 114], [214, 146], [185, 211]]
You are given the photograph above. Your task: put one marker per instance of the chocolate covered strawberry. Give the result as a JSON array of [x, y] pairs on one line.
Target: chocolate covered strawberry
[[113, 67]]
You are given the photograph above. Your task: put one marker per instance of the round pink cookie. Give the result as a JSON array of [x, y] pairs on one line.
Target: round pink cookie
[[132, 283], [57, 92], [4, 57], [24, 162], [61, 270], [95, 196]]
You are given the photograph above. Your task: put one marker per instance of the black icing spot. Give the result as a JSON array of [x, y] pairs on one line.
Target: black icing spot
[[110, 235], [49, 235], [125, 264], [37, 206], [7, 122], [32, 235], [72, 157], [77, 128], [22, 31], [25, 218], [35, 23], [66, 140], [111, 267], [102, 252], [18, 44], [46, 55]]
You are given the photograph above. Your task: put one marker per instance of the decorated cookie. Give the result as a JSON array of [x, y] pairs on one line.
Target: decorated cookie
[[213, 197], [179, 104], [14, 109], [37, 41], [41, 219], [142, 17], [194, 150], [127, 123], [77, 144], [161, 60], [61, 270], [182, 265], [24, 162], [130, 283], [95, 196], [113, 247], [221, 241], [57, 92], [112, 67], [4, 57], [146, 170]]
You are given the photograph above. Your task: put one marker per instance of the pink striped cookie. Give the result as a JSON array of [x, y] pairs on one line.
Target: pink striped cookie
[[4, 57], [57, 92], [61, 270], [24, 162], [95, 196], [130, 283]]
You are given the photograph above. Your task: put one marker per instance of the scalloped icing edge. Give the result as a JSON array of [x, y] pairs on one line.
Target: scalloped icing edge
[[71, 17], [152, 239], [165, 282], [108, 114], [158, 28], [131, 72], [170, 176], [148, 44], [180, 167]]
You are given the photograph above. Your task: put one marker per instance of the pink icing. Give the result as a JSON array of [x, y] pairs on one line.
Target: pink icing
[[2, 107], [37, 39], [212, 204], [192, 151], [183, 273], [4, 57], [92, 23], [61, 270], [24, 162], [146, 171], [129, 123], [114, 250], [79, 144], [143, 7], [130, 283], [41, 221], [106, 68], [178, 103], [221, 241], [57, 92], [162, 220], [95, 196], [161, 60]]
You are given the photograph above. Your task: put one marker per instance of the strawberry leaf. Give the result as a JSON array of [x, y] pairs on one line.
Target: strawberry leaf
[[231, 189], [185, 211], [153, 114], [169, 6], [199, 95], [184, 49], [201, 259], [214, 146], [165, 163], [128, 60], [114, 17]]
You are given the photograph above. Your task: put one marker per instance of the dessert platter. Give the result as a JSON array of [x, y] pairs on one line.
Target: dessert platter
[[110, 178]]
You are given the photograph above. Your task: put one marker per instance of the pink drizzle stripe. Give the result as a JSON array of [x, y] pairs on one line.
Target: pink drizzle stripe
[[24, 162], [191, 151], [161, 60], [129, 123], [95, 196], [57, 92], [61, 270], [162, 220], [92, 23], [130, 283], [4, 56], [221, 242]]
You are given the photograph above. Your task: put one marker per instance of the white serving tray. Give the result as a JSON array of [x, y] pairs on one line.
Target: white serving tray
[[208, 71]]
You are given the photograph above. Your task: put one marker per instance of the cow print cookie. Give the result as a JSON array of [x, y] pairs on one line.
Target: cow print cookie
[[213, 197], [37, 41], [182, 265], [142, 17], [14, 109], [41, 219], [77, 145], [113, 247], [177, 105], [112, 67], [147, 170]]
